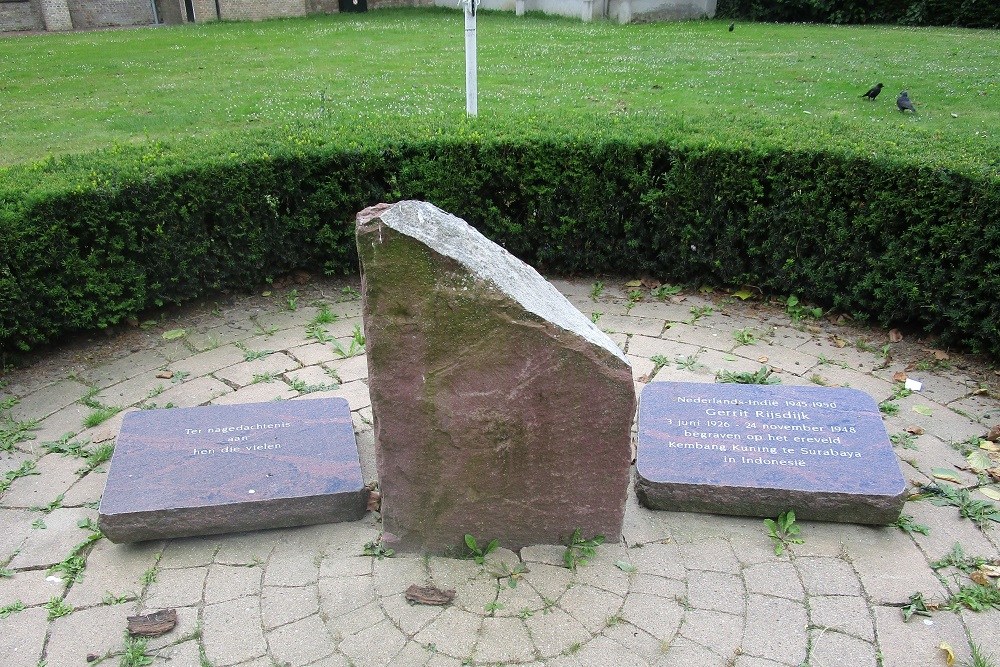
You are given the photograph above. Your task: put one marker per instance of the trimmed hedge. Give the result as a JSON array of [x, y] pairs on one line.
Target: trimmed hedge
[[963, 13], [86, 242]]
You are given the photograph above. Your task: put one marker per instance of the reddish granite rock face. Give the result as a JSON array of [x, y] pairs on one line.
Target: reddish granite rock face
[[500, 410]]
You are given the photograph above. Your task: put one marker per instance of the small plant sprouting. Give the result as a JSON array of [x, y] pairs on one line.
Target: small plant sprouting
[[325, 315], [12, 608], [511, 574], [25, 469], [596, 290], [112, 599], [979, 657], [262, 377], [57, 608], [579, 550], [135, 653], [698, 312], [350, 293], [906, 524], [744, 337], [659, 361], [688, 363], [525, 613], [917, 605], [100, 415], [816, 378], [376, 549], [494, 606], [634, 297], [783, 531], [479, 554], [904, 439], [97, 456], [957, 559], [356, 347], [665, 291], [797, 312], [52, 506], [66, 446], [981, 512], [762, 376], [303, 387], [888, 408], [71, 567], [595, 316], [318, 333], [6, 573], [292, 300], [252, 355]]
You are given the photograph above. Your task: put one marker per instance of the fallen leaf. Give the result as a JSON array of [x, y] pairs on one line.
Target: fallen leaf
[[922, 409], [990, 492], [650, 283], [174, 334], [989, 446], [634, 283], [979, 461], [374, 501], [949, 654], [812, 328], [266, 293], [743, 294], [940, 355], [624, 566], [994, 474], [429, 595], [899, 376], [895, 335], [729, 357], [994, 434], [981, 391], [152, 625], [990, 570], [165, 375], [838, 341], [762, 360], [678, 299], [915, 430], [980, 578], [946, 474]]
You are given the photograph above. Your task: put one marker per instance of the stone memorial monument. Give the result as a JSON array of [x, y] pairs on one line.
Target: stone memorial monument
[[227, 468], [500, 410], [755, 450]]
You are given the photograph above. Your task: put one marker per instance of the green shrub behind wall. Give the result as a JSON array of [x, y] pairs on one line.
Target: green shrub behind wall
[[905, 245]]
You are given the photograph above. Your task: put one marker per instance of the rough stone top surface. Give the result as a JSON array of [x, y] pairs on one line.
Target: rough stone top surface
[[776, 437], [223, 454], [453, 237]]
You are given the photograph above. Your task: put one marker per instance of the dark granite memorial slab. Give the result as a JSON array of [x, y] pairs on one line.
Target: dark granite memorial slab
[[228, 468], [759, 450]]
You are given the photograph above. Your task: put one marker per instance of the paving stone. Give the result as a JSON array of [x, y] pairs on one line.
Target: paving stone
[[98, 630], [350, 369], [685, 653], [358, 619], [250, 548], [312, 353], [659, 586], [702, 337], [301, 642], [15, 528], [600, 652], [592, 607], [777, 579], [828, 576], [280, 605], [346, 566], [884, 561], [313, 378], [915, 642], [516, 600], [548, 554], [410, 618], [22, 636], [641, 526], [242, 374], [720, 633], [715, 591], [504, 640], [340, 596], [356, 394], [982, 631], [375, 646], [555, 631], [116, 569], [211, 338], [231, 632], [781, 358], [645, 326], [32, 587], [124, 367], [228, 582], [56, 474], [942, 422], [453, 633], [946, 530], [549, 581], [209, 361], [87, 489], [177, 588], [775, 629], [188, 552], [751, 661], [838, 650], [48, 400], [199, 391], [638, 642], [257, 393], [67, 420], [289, 566], [50, 546], [842, 613], [143, 387], [659, 617], [335, 660], [185, 653], [713, 554]]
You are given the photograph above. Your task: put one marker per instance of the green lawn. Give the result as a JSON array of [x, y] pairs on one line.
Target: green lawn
[[403, 71]]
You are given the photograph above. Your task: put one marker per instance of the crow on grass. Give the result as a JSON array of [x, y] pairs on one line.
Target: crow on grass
[[873, 92], [904, 103]]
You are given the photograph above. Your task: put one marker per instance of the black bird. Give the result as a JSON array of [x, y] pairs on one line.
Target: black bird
[[873, 92], [904, 103], [732, 26]]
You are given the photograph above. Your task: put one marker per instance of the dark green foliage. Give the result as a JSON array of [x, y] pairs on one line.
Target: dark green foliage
[[966, 13], [100, 238]]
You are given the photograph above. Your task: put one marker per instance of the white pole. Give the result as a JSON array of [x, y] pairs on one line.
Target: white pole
[[471, 84]]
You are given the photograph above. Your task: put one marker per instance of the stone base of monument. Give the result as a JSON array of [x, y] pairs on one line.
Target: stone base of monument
[[755, 450], [220, 469]]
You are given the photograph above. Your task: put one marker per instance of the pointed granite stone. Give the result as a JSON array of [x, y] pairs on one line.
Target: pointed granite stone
[[500, 410]]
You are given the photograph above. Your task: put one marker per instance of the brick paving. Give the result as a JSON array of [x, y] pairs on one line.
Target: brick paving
[[678, 589]]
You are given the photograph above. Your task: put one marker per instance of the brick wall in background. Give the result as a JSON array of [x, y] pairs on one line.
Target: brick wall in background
[[101, 13], [16, 16]]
